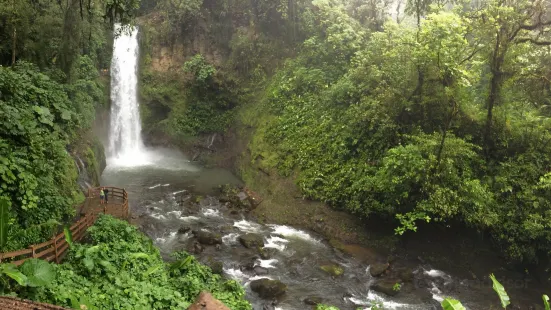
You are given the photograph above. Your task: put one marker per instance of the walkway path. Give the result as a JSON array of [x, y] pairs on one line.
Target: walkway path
[[54, 249]]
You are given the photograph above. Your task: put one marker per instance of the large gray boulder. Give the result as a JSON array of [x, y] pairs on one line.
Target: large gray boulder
[[386, 286], [207, 237], [251, 241], [268, 289], [377, 270]]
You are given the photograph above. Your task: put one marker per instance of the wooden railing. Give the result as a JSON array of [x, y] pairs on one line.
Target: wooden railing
[[55, 249], [117, 201]]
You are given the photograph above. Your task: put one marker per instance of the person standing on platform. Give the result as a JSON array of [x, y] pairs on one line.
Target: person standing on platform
[[106, 192], [101, 196]]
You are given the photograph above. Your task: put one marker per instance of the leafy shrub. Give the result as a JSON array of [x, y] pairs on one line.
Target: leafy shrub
[[121, 269]]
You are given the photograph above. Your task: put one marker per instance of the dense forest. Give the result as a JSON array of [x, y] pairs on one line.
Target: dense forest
[[413, 111], [434, 113]]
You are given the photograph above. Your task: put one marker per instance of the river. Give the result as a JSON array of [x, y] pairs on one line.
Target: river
[[171, 196]]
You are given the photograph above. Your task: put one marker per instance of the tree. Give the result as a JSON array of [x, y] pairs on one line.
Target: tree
[[506, 23]]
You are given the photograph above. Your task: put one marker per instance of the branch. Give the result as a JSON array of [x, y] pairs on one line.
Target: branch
[[476, 50], [533, 41]]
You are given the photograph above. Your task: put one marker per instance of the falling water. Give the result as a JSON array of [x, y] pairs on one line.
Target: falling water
[[126, 146]]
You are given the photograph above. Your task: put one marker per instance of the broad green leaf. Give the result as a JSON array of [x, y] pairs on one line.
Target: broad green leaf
[[500, 290], [4, 216], [11, 271], [452, 304], [38, 272], [139, 255], [546, 302], [154, 269], [88, 263], [66, 115], [68, 235]]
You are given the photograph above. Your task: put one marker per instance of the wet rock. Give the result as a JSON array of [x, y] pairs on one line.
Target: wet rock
[[216, 266], [251, 241], [248, 266], [260, 271], [242, 196], [234, 212], [406, 275], [313, 300], [266, 253], [332, 269], [205, 301], [224, 199], [197, 248], [386, 286], [376, 270], [268, 289], [207, 237], [183, 230], [218, 247]]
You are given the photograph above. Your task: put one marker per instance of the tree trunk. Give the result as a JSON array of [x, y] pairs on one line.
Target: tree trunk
[[13, 48], [496, 65]]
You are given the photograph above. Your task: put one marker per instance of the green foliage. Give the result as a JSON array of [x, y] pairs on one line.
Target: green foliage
[[397, 287], [201, 70], [326, 307], [546, 302], [500, 291], [122, 269], [452, 304], [38, 272], [32, 148], [10, 271], [4, 221], [68, 235], [395, 122]]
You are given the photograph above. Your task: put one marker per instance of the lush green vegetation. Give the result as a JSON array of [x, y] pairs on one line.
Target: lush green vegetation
[[119, 269], [408, 122], [51, 54], [440, 115]]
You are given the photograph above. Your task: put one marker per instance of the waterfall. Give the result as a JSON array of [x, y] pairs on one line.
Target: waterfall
[[125, 142]]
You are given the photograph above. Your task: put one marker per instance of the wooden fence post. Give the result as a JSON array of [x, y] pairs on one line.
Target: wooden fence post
[[55, 250], [33, 251]]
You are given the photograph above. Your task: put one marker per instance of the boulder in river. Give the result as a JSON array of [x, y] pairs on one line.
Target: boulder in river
[[332, 269], [251, 241], [216, 266], [377, 270], [406, 274], [268, 289], [182, 230], [313, 300], [266, 253], [207, 237], [386, 286], [205, 301]]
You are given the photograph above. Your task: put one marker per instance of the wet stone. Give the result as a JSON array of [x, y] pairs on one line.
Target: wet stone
[[386, 286], [333, 269], [251, 241], [266, 253], [377, 270], [183, 230], [268, 289], [313, 300], [207, 237]]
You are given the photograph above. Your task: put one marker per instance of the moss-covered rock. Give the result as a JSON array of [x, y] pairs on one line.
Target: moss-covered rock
[[333, 269]]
